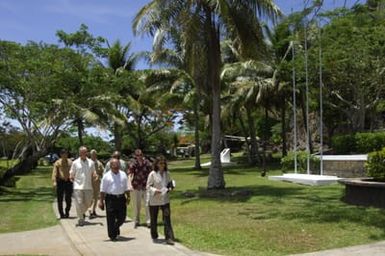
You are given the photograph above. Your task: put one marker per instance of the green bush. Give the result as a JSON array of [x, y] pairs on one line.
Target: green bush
[[344, 144], [287, 162], [375, 166], [363, 142], [369, 142]]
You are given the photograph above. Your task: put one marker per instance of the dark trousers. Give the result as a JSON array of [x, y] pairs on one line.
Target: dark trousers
[[168, 232], [64, 190], [116, 210]]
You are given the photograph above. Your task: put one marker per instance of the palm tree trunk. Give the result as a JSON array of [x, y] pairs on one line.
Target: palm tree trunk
[[196, 120], [117, 137], [80, 125], [246, 134], [216, 178], [253, 135], [283, 128]]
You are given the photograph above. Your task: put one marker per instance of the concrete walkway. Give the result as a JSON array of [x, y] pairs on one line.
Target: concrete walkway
[[46, 241], [92, 239], [89, 240], [374, 249]]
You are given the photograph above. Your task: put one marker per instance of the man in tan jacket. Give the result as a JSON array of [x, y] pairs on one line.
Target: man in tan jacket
[[61, 181]]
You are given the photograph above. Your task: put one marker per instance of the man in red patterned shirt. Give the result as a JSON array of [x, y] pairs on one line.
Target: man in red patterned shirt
[[138, 172]]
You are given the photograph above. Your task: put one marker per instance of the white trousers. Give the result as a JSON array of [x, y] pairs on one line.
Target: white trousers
[[83, 200], [137, 197]]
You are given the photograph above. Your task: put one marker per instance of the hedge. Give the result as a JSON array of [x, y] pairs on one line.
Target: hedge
[[360, 143]]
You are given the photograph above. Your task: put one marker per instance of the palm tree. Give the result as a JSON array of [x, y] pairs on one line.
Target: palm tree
[[119, 60], [215, 17], [189, 57], [249, 84]]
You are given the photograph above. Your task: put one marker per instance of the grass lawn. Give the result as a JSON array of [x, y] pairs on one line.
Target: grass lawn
[[255, 216], [29, 205], [8, 163]]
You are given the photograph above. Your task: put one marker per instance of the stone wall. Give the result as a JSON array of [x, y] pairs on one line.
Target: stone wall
[[344, 169]]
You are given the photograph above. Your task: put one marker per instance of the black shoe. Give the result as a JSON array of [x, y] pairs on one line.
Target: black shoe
[[62, 216], [66, 215], [170, 242], [136, 225], [113, 239]]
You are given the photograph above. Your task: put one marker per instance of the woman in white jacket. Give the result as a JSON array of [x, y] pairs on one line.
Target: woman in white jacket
[[159, 184]]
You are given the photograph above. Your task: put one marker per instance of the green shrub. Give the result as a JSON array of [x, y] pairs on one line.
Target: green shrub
[[362, 142], [287, 162], [369, 142], [344, 144], [375, 166]]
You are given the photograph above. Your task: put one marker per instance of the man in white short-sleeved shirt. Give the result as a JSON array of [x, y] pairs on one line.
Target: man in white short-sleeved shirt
[[114, 192], [82, 172]]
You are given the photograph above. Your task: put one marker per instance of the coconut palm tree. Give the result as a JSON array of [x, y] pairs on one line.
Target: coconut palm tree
[[120, 60], [188, 56], [216, 17], [248, 84]]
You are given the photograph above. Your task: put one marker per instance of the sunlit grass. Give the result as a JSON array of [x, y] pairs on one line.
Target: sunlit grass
[[29, 205], [256, 216], [4, 163]]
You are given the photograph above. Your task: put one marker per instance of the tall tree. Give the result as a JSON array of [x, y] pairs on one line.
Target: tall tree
[[83, 86], [30, 76], [119, 60], [215, 16]]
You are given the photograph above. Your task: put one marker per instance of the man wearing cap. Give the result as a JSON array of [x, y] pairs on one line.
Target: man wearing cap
[[61, 180]]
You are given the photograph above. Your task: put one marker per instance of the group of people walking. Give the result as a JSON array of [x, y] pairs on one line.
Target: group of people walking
[[112, 186]]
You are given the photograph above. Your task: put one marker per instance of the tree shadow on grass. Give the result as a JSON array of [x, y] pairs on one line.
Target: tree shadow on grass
[[40, 194], [316, 208], [292, 203], [235, 194], [240, 169]]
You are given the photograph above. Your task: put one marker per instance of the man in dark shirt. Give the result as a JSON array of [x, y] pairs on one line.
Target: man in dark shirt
[[138, 172], [61, 181]]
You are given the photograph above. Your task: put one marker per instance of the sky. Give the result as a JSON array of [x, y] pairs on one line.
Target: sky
[[38, 20]]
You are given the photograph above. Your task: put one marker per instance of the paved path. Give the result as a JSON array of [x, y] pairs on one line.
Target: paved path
[[47, 241], [90, 240], [374, 249]]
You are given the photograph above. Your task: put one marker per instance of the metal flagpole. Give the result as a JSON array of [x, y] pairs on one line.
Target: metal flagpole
[[294, 108], [307, 98], [320, 99]]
